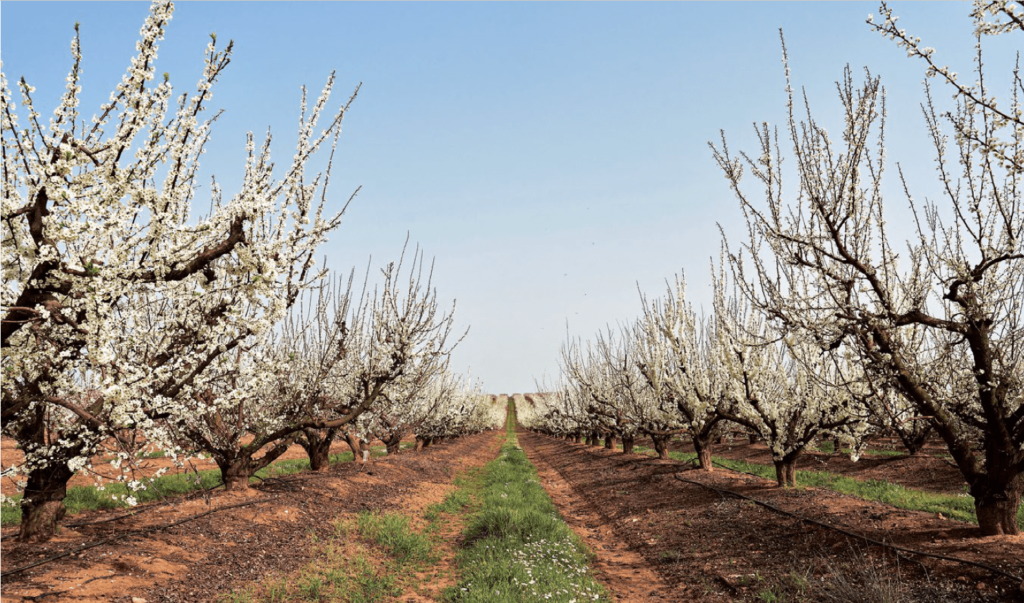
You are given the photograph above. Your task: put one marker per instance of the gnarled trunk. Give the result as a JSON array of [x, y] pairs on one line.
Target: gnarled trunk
[[578, 438], [997, 505], [42, 506], [393, 444], [702, 445], [237, 466], [595, 439], [914, 441], [357, 447], [785, 470], [627, 444], [661, 446], [609, 442], [318, 447]]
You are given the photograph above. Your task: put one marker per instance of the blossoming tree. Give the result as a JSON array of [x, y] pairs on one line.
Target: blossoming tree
[[117, 298], [960, 278]]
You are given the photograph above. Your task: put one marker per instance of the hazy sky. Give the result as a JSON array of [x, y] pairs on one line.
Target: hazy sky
[[551, 157]]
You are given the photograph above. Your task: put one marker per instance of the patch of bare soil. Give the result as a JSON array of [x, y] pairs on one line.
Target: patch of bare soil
[[706, 546], [265, 531], [622, 570]]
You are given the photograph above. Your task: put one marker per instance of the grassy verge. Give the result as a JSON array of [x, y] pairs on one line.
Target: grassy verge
[[959, 507], [86, 498], [520, 550]]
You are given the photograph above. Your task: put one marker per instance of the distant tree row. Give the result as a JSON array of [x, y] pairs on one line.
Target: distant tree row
[[822, 324]]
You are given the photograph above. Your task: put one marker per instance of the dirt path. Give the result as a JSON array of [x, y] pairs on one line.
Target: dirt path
[[708, 547], [623, 571], [200, 559]]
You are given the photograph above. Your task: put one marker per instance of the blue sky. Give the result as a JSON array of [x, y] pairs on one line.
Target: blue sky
[[552, 157]]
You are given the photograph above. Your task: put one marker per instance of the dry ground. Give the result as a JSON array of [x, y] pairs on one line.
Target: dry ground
[[708, 547]]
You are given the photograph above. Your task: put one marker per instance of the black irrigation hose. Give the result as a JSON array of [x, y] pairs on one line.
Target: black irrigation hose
[[131, 533], [822, 524]]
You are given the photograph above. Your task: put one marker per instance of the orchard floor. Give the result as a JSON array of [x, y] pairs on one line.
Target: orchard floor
[[704, 546], [655, 538], [206, 557]]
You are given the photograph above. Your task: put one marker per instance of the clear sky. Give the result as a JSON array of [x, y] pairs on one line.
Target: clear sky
[[552, 157]]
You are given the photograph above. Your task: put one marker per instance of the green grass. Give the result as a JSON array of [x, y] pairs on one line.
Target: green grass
[[519, 548], [456, 501], [391, 531], [85, 498], [959, 507]]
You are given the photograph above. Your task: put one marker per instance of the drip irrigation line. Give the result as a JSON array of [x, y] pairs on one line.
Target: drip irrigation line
[[822, 524], [132, 533]]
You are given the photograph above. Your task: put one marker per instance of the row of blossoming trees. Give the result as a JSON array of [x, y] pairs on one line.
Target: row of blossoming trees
[[130, 320], [821, 323]]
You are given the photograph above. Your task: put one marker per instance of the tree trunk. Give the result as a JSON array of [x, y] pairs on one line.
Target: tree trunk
[[393, 444], [837, 446], [609, 442], [661, 446], [428, 442], [578, 438], [237, 466], [753, 437], [235, 472], [357, 447], [785, 471], [42, 506], [420, 443], [627, 444], [595, 439], [914, 441], [997, 507], [317, 447], [703, 447]]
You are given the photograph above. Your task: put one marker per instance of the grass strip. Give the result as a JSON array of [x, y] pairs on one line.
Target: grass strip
[[955, 506], [89, 498], [519, 548]]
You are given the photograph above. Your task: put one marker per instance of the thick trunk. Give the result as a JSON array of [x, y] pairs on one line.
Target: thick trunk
[[703, 447], [578, 438], [752, 437], [42, 506], [318, 447], [237, 466], [627, 444], [356, 446], [235, 472], [785, 471], [609, 442], [914, 442], [997, 506], [428, 442], [420, 443], [661, 446], [393, 444], [595, 439]]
